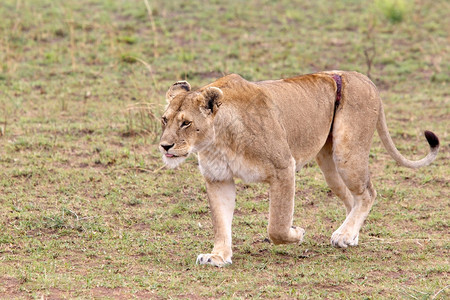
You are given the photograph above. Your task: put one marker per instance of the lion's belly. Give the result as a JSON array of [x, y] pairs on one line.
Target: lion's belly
[[246, 171], [217, 166]]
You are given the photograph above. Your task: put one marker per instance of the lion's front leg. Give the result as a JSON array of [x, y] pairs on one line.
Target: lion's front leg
[[281, 211], [222, 197]]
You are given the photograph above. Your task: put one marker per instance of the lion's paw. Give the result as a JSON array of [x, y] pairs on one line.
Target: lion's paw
[[299, 232], [213, 260], [344, 239]]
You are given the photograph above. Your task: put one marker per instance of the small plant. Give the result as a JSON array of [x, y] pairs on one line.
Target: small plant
[[142, 121], [134, 201], [393, 10], [127, 58], [130, 40], [370, 50]]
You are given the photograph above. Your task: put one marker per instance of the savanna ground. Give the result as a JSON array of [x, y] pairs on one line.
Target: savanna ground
[[88, 210]]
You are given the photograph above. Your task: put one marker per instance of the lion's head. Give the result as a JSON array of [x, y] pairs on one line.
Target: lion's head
[[187, 123]]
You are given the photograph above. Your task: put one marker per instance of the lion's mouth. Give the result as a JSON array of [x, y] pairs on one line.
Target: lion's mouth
[[169, 155]]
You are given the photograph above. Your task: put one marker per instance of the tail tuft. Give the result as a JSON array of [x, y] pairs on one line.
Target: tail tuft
[[432, 139]]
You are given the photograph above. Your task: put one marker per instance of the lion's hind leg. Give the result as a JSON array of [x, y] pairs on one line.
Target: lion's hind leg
[[326, 163], [353, 169], [352, 166], [352, 133], [348, 233], [353, 127]]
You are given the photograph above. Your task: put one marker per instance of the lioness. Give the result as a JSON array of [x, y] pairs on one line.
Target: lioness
[[265, 131]]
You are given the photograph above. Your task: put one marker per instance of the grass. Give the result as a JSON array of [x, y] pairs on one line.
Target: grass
[[88, 210]]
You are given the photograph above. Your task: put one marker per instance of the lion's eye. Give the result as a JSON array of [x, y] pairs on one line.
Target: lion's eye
[[186, 124], [164, 120]]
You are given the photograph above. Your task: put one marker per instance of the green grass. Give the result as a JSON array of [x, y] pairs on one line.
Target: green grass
[[87, 209]]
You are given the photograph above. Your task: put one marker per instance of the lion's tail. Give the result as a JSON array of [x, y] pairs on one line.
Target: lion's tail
[[385, 137]]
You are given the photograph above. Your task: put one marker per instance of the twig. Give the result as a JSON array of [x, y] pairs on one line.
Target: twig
[[384, 241], [72, 44], [112, 48], [408, 294], [73, 213], [149, 68], [155, 32], [440, 291], [221, 283], [423, 293], [139, 169], [88, 218], [370, 52], [159, 169]]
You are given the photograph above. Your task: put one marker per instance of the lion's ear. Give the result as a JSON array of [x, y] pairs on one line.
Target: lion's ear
[[176, 89], [212, 96]]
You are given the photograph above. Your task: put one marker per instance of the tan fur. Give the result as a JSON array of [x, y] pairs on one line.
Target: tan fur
[[265, 131]]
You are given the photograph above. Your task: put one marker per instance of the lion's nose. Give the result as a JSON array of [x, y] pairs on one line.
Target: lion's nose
[[167, 147]]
